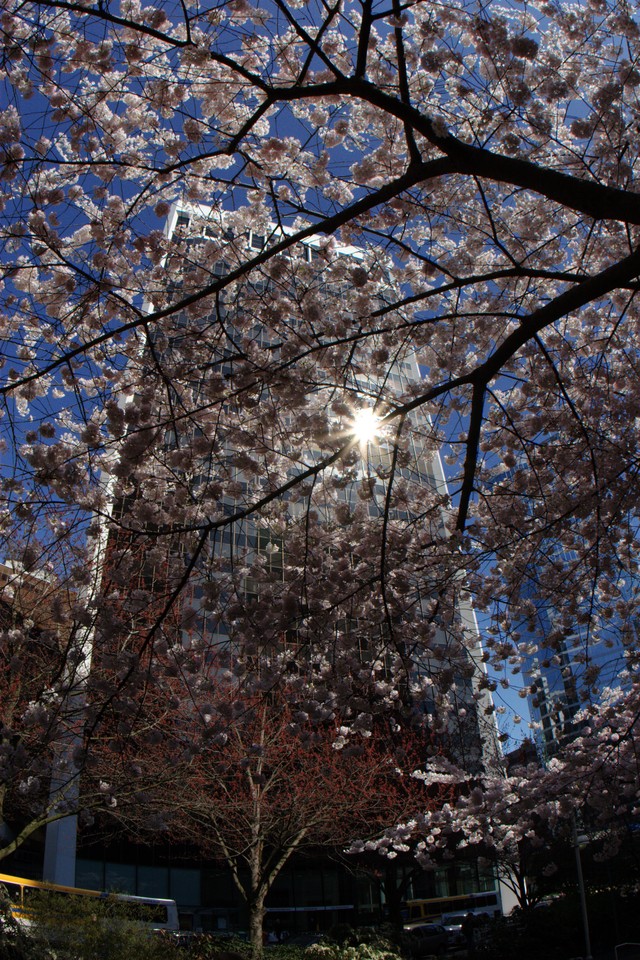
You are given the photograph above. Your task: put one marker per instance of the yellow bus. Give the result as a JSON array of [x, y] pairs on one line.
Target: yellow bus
[[156, 913], [433, 909]]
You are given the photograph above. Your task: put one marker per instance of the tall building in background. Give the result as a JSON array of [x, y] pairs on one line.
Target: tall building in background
[[559, 687], [563, 675], [466, 730]]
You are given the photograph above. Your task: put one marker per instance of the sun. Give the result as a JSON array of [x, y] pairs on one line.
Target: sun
[[365, 425]]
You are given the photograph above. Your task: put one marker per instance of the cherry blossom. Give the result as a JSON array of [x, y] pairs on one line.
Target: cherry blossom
[[224, 232]]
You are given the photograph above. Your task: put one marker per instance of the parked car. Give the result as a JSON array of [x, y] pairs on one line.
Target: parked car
[[452, 922], [422, 939]]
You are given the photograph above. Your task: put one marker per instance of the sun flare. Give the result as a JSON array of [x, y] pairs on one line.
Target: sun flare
[[366, 425]]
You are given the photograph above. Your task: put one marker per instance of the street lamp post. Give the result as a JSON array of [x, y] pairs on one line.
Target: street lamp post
[[583, 899]]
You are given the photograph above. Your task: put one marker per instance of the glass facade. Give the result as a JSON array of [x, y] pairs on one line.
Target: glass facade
[[574, 669]]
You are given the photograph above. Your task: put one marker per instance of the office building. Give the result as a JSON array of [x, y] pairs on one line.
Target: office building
[[571, 667]]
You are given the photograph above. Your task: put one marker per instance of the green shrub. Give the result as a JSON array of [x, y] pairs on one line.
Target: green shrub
[[207, 946], [88, 928], [17, 942], [373, 948], [282, 951]]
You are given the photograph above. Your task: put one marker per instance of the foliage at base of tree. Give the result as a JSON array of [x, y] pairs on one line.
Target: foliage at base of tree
[[17, 943], [342, 943], [86, 928], [360, 951]]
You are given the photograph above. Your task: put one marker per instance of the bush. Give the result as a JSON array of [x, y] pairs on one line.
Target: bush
[[88, 928], [207, 946], [551, 932], [17, 942], [365, 944], [283, 951]]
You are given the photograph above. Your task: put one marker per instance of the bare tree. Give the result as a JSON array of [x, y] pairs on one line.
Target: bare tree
[[273, 786]]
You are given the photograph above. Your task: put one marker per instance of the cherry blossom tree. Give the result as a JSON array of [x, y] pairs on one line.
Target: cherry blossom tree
[[510, 822], [517, 820], [359, 185]]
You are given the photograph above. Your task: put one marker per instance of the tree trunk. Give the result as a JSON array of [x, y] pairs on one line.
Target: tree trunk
[[256, 923], [395, 891]]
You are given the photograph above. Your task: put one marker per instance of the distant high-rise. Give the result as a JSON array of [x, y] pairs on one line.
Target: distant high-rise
[[569, 669]]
